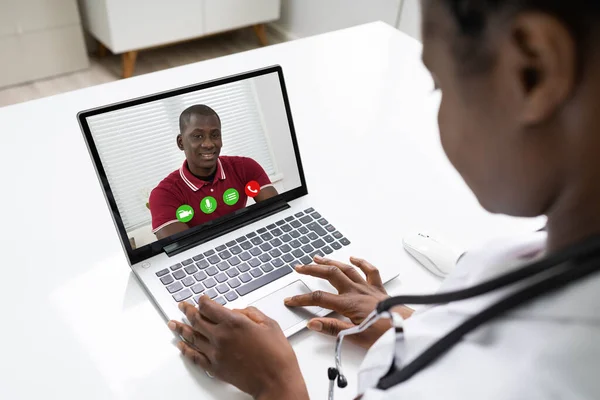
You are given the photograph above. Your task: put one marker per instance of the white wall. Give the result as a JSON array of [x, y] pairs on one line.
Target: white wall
[[301, 18], [410, 19]]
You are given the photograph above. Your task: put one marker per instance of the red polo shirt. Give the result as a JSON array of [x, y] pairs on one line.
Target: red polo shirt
[[181, 187]]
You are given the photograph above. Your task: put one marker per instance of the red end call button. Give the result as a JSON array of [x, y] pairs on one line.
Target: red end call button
[[252, 189]]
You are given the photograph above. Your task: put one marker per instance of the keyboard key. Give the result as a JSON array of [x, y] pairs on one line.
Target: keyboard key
[[231, 244], [266, 237], [235, 250], [179, 274], [277, 263], [295, 263], [167, 280], [288, 219], [198, 288], [176, 267], [315, 215], [214, 259], [209, 253], [266, 247], [231, 296], [288, 258], [241, 239], [243, 267], [235, 282], [246, 245], [298, 215], [267, 267], [255, 262], [316, 253], [286, 238], [264, 257], [233, 261], [184, 294], [330, 228], [223, 266], [286, 228], [275, 253], [198, 257], [188, 281], [232, 272], [223, 288], [225, 255], [187, 262], [306, 260], [305, 239], [221, 277], [280, 222], [200, 276], [297, 253], [212, 293], [323, 221], [307, 219], [191, 269], [308, 248], [202, 264], [255, 251], [277, 232], [337, 235], [295, 244], [303, 230], [313, 236], [245, 256], [327, 250], [162, 272], [257, 241], [251, 235], [295, 234], [318, 229], [210, 282], [276, 242], [336, 245], [212, 271], [317, 244], [271, 226], [256, 272], [286, 248], [261, 231], [266, 279], [345, 241], [329, 239], [296, 224], [175, 287], [308, 211], [221, 301], [221, 248], [245, 278]]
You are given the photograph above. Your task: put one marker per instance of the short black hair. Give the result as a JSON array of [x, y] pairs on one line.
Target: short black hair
[[580, 17], [196, 109]]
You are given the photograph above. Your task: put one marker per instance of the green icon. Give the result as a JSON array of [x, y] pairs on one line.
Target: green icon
[[208, 205], [231, 197], [185, 213]]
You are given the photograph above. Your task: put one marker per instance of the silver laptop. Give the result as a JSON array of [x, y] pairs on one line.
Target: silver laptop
[[208, 195]]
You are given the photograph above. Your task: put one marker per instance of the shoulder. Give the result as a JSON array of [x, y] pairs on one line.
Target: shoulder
[[168, 186], [239, 163]]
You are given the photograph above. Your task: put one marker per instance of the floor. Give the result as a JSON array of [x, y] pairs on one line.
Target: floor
[[108, 69]]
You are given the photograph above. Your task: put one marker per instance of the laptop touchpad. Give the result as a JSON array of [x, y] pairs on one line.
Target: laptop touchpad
[[272, 305]]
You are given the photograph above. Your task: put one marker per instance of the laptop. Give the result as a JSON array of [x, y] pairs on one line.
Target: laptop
[[208, 195]]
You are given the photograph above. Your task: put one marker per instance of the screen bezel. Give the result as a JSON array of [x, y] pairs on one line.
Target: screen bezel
[[143, 253]]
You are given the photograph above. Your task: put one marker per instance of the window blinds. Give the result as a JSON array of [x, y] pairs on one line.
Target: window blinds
[[138, 149]]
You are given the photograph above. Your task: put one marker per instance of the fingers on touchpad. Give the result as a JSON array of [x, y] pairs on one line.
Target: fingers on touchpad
[[272, 305]]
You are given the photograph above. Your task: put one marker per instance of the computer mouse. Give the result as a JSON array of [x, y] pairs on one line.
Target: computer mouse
[[436, 257]]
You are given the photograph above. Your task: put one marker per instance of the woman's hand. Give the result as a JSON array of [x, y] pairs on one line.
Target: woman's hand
[[242, 347], [357, 298]]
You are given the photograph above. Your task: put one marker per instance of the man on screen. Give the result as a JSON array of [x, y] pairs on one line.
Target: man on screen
[[207, 186]]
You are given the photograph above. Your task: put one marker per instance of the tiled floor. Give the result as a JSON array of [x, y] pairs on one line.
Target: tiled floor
[[108, 69]]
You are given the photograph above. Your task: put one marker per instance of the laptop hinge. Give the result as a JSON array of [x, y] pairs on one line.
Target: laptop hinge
[[231, 224]]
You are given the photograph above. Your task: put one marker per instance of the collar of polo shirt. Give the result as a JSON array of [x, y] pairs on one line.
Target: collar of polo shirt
[[194, 183]]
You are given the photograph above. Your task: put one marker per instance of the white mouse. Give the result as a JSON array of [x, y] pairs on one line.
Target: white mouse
[[436, 257]]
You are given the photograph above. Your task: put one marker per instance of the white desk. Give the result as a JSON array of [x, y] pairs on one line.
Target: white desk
[[77, 325]]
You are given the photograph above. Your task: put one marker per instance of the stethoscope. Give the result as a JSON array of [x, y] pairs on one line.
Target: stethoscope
[[548, 275]]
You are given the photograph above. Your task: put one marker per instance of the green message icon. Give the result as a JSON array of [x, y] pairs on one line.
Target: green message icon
[[208, 205], [231, 197], [185, 213]]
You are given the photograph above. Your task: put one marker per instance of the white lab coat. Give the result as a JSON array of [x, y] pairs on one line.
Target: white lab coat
[[547, 349]]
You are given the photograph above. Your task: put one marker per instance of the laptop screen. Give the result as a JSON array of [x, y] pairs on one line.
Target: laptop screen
[[177, 161]]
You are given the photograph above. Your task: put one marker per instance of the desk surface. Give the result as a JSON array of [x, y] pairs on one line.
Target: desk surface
[[76, 323]]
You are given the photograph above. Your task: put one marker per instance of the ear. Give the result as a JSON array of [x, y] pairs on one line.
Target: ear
[[180, 142], [546, 60]]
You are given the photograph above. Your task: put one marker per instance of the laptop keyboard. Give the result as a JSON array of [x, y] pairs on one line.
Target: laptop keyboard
[[241, 266]]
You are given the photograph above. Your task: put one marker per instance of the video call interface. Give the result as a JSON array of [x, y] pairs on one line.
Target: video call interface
[[177, 163]]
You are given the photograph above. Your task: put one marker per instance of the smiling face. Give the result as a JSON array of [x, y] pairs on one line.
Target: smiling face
[[201, 142]]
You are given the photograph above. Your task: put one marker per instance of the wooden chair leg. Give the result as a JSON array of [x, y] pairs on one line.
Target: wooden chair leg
[[102, 50], [261, 33], [129, 59]]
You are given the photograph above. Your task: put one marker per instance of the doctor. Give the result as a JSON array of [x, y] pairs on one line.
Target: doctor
[[520, 120]]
